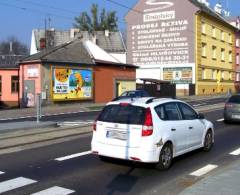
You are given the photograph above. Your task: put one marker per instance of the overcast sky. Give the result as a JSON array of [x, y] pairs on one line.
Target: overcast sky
[[19, 17]]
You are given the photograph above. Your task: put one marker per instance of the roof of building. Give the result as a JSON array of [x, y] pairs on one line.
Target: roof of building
[[75, 52], [70, 52], [208, 10], [10, 61], [109, 41]]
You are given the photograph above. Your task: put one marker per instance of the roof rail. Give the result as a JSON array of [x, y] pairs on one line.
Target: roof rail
[[150, 100]]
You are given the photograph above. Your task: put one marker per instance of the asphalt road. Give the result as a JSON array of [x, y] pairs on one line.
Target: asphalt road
[[86, 174]]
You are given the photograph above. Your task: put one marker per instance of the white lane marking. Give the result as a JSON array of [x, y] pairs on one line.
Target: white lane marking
[[195, 105], [15, 183], [203, 170], [73, 156], [220, 120], [54, 191], [1, 172], [235, 152]]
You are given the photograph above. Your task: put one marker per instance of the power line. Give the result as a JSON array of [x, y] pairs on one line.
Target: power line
[[35, 10], [124, 6], [48, 6]]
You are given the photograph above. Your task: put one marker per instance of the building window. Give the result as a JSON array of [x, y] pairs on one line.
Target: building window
[[222, 35], [222, 75], [223, 54], [237, 42], [230, 56], [214, 74], [229, 38], [237, 59], [0, 85], [238, 76], [230, 76], [214, 52], [204, 48], [15, 84], [213, 32], [203, 28], [203, 73]]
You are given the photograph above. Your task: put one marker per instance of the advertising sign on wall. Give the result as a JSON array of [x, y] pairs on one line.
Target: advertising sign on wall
[[71, 84], [178, 75], [163, 34]]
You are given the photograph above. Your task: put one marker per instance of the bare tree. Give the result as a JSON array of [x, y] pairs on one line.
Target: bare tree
[[13, 46]]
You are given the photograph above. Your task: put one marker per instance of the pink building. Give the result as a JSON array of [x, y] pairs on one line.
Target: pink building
[[237, 78], [9, 81]]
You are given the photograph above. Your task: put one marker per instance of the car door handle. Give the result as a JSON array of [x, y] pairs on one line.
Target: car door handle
[[190, 127], [173, 129]]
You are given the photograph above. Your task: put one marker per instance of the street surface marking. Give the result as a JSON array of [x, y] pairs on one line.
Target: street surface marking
[[54, 191], [73, 156], [195, 105], [15, 183], [220, 120], [235, 152], [203, 170], [75, 123], [1, 172]]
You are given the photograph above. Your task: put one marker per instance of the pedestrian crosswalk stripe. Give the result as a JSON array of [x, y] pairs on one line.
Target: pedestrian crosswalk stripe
[[55, 191], [235, 152], [1, 172], [15, 183], [73, 156]]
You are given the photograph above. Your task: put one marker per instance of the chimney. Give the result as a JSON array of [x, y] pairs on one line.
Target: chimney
[[106, 33], [11, 47], [73, 32]]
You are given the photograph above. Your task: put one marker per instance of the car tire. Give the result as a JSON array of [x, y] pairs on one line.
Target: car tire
[[165, 157], [104, 158], [208, 141]]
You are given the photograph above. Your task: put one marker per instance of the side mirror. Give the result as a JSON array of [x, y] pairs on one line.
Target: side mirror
[[201, 116]]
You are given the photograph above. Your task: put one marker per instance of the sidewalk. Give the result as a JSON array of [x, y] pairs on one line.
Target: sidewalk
[[224, 182]]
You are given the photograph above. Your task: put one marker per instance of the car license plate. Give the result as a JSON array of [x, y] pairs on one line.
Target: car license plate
[[116, 135], [236, 116]]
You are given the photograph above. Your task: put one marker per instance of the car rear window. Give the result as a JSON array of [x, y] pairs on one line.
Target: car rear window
[[234, 99], [123, 114]]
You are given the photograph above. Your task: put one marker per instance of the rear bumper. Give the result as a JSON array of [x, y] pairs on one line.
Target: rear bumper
[[134, 154], [230, 116]]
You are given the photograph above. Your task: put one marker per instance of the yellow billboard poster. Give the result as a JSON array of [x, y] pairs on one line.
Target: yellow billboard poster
[[71, 84], [178, 75]]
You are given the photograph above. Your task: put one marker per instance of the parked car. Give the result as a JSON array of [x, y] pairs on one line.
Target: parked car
[[232, 109], [132, 94], [150, 130]]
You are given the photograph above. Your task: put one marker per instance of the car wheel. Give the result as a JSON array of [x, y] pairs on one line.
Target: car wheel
[[208, 141], [104, 158], [165, 157]]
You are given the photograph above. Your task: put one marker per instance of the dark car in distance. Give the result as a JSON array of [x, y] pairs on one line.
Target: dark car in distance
[[232, 109], [132, 94]]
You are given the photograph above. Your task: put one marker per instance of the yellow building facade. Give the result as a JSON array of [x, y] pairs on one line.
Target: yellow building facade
[[214, 55]]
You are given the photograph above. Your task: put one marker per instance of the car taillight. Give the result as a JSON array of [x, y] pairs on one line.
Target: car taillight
[[95, 126], [227, 105], [147, 128]]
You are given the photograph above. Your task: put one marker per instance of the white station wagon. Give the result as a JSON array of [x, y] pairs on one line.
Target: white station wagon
[[150, 130]]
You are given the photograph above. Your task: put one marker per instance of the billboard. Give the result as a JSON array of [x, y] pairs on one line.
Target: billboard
[[163, 34], [178, 75], [71, 83]]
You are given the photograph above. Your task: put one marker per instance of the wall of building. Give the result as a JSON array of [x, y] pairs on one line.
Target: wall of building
[[7, 97], [161, 41], [106, 79], [214, 73], [237, 67], [30, 83]]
